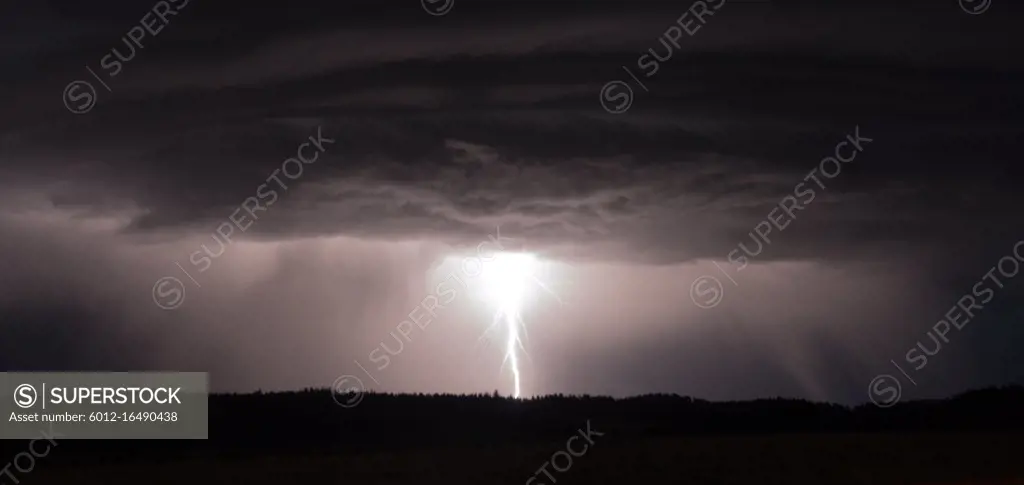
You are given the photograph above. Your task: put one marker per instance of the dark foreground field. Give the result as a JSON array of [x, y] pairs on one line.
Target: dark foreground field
[[307, 438], [866, 459]]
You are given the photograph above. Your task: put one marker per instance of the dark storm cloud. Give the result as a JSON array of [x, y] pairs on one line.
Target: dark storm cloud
[[449, 125]]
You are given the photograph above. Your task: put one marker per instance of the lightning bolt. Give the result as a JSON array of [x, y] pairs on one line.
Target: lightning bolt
[[512, 322], [509, 277], [511, 319]]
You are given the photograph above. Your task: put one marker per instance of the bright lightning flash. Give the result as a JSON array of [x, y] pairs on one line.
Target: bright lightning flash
[[505, 281]]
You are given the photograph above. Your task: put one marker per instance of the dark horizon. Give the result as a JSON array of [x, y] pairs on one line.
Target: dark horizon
[[340, 397]]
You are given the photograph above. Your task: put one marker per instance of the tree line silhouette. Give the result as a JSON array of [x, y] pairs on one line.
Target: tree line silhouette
[[310, 421]]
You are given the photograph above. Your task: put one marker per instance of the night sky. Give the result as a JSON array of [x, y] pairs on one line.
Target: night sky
[[677, 164]]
